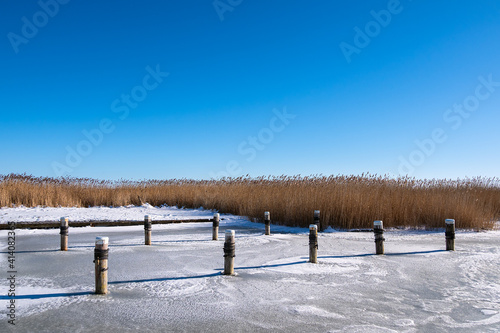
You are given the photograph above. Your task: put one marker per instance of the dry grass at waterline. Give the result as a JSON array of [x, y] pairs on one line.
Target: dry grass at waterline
[[345, 202]]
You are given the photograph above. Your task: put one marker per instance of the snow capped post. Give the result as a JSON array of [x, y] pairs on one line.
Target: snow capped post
[[450, 235], [378, 229], [316, 220], [215, 227], [64, 233], [229, 253], [313, 243], [267, 221], [147, 230], [101, 265]]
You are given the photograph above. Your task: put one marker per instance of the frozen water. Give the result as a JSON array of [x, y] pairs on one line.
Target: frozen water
[[175, 285]]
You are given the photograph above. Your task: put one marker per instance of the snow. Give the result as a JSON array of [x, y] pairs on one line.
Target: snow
[[175, 285], [127, 213]]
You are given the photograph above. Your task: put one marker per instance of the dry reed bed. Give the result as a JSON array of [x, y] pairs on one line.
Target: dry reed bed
[[345, 202]]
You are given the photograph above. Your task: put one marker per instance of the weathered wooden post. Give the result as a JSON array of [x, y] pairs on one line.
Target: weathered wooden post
[[147, 230], [215, 227], [64, 233], [229, 253], [101, 265], [313, 243], [267, 222], [450, 235], [378, 229], [317, 220]]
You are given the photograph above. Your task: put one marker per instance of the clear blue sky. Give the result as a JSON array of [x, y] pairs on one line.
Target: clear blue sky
[[253, 87]]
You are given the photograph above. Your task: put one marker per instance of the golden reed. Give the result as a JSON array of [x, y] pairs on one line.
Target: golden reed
[[346, 202]]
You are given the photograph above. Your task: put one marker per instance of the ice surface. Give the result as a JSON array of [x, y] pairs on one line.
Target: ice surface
[[175, 285]]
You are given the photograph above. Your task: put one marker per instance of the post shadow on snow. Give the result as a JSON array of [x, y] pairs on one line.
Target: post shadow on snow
[[415, 252], [376, 255], [110, 246], [93, 246], [40, 296], [69, 247], [166, 279], [268, 266], [84, 293], [142, 244], [32, 251], [205, 275]]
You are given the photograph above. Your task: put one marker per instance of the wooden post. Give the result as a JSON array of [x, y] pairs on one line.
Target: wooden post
[[147, 230], [378, 229], [229, 253], [64, 233], [313, 243], [267, 221], [215, 227], [101, 265], [450, 235], [317, 220]]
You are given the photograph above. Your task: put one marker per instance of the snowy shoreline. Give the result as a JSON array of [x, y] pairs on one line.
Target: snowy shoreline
[[137, 213]]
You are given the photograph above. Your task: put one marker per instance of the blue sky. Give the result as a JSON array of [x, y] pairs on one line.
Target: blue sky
[[199, 89]]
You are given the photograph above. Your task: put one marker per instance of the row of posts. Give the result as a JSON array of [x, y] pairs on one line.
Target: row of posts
[[102, 244], [148, 227], [64, 227], [378, 230]]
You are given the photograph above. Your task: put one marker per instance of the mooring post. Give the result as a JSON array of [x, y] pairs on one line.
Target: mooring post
[[101, 265], [378, 229], [313, 243], [317, 220], [147, 230], [450, 235], [64, 233], [229, 253], [215, 227], [267, 222]]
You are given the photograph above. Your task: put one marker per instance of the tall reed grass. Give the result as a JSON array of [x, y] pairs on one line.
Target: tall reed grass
[[345, 202]]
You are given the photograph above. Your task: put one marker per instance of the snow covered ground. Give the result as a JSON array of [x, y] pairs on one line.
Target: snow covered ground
[[128, 213], [175, 285]]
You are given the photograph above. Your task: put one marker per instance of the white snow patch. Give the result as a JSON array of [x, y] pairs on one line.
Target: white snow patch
[[311, 310], [404, 322], [125, 213]]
